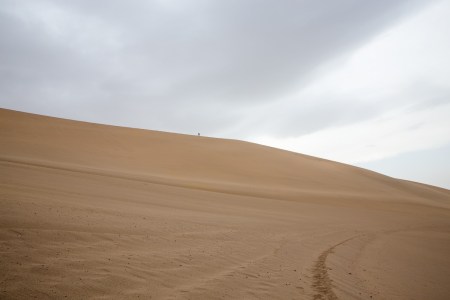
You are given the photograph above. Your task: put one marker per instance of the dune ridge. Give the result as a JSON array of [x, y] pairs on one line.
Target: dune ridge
[[169, 157], [98, 211]]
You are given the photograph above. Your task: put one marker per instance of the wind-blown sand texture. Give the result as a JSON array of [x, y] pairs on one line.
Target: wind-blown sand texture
[[91, 211]]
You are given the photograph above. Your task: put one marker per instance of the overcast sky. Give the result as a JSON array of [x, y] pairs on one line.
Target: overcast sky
[[360, 82]]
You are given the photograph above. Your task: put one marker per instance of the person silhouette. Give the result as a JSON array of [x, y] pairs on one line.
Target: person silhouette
[[198, 134]]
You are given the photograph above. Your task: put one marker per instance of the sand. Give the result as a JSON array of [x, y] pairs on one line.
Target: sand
[[90, 211]]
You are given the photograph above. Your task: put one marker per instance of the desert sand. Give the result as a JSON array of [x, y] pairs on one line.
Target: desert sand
[[90, 211]]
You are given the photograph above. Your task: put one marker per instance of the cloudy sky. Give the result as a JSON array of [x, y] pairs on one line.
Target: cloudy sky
[[358, 81]]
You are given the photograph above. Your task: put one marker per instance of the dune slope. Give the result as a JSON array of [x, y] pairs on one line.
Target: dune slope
[[96, 211]]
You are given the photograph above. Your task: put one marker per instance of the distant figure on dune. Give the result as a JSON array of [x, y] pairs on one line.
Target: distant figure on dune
[[198, 134]]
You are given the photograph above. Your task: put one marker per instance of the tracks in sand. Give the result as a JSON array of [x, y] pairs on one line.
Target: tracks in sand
[[322, 283]]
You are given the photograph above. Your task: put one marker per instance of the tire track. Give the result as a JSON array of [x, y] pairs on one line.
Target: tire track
[[322, 283]]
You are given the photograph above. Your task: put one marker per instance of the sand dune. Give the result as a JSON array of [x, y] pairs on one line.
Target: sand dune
[[95, 211]]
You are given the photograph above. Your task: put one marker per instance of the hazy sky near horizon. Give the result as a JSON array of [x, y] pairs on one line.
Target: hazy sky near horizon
[[361, 82]]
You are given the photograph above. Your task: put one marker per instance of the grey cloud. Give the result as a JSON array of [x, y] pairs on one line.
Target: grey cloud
[[427, 95], [295, 117], [180, 66]]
